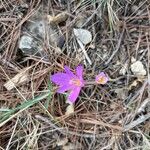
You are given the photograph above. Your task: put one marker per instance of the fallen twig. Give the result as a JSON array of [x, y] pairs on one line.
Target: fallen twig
[[66, 131], [84, 51], [117, 48], [143, 105], [136, 122], [6, 62]]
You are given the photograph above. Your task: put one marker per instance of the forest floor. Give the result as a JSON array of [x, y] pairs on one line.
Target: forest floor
[[38, 38]]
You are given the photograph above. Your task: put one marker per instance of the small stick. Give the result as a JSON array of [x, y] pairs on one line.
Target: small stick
[[5, 62], [8, 19], [136, 122], [143, 105], [65, 130], [84, 51], [117, 48]]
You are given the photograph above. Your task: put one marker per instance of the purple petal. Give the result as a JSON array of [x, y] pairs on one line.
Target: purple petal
[[60, 78], [74, 94], [102, 78], [79, 72], [69, 72], [64, 88]]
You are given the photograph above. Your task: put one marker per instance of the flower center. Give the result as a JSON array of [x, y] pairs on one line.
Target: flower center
[[76, 82], [101, 80]]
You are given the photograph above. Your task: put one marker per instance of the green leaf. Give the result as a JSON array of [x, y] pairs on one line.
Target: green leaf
[[49, 96], [22, 107]]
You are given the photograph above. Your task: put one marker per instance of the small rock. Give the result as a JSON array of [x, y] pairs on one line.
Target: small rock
[[29, 45], [138, 68], [37, 28], [61, 41], [83, 35], [25, 42]]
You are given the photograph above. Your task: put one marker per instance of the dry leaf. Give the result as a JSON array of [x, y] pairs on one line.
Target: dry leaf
[[133, 84], [58, 18], [18, 79]]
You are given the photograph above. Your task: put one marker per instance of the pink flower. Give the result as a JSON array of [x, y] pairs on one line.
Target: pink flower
[[101, 78], [68, 81]]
